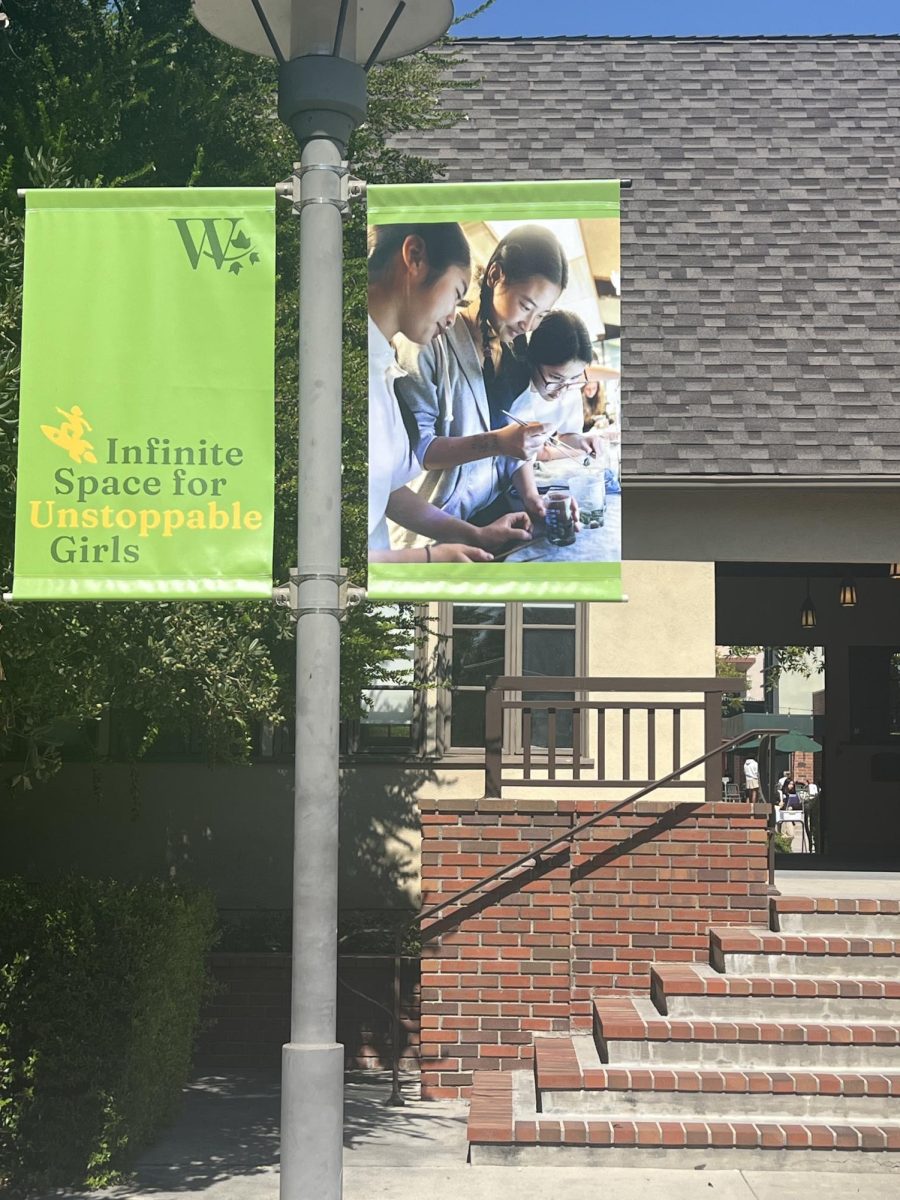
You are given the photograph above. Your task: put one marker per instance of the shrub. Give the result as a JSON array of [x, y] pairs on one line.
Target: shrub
[[100, 991]]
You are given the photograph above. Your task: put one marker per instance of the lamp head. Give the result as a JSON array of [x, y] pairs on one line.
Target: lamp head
[[323, 49], [302, 27]]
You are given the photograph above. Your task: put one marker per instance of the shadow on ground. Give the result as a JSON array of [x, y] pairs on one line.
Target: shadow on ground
[[378, 1135], [228, 1128], [226, 1137]]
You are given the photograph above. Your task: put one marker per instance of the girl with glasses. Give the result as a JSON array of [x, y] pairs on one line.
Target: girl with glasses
[[558, 352]]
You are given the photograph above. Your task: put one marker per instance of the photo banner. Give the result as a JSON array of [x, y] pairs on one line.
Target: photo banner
[[494, 392], [146, 427]]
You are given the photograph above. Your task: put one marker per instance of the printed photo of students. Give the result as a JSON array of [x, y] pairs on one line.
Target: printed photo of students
[[458, 388], [418, 275]]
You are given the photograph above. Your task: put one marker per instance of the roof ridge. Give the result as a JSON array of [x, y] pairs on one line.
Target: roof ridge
[[678, 37]]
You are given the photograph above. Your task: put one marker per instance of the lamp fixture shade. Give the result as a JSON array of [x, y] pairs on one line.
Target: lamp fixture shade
[[808, 611], [848, 594], [301, 27], [894, 572]]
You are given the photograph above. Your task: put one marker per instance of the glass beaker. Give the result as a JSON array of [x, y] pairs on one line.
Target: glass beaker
[[558, 517], [589, 490]]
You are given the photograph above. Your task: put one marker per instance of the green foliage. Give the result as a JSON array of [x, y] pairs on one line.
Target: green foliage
[[732, 702], [100, 992], [797, 660], [132, 93]]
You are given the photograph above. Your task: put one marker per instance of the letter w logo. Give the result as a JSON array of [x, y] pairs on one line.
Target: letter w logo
[[216, 238]]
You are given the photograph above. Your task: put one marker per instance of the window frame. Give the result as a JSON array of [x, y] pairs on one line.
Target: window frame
[[514, 628]]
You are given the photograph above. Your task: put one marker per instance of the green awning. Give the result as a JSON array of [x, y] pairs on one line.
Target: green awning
[[788, 743], [797, 743]]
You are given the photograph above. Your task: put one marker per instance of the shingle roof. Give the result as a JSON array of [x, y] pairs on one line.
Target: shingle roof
[[760, 240]]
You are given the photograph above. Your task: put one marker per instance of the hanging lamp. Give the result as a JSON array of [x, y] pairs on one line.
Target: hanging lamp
[[808, 611]]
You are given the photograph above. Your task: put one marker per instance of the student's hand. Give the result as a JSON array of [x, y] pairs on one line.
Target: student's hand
[[451, 552], [576, 513], [521, 441], [512, 527], [536, 507], [591, 443]]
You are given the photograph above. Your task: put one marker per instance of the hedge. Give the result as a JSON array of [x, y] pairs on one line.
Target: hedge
[[100, 993]]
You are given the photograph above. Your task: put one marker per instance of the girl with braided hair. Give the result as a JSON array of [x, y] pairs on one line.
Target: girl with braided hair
[[457, 387]]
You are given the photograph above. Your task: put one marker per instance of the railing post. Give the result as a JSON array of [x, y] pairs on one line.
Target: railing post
[[493, 739], [767, 777], [712, 736], [395, 1100]]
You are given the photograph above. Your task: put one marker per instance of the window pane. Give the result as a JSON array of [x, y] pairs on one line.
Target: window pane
[[467, 719], [389, 706], [549, 614], [479, 614], [477, 654], [549, 652]]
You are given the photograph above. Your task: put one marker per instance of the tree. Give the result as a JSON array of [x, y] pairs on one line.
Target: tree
[[130, 93]]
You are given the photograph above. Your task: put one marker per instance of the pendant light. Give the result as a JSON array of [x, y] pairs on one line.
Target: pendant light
[[848, 594], [808, 611], [894, 572]]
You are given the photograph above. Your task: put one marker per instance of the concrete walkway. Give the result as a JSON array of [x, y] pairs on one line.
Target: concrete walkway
[[225, 1147]]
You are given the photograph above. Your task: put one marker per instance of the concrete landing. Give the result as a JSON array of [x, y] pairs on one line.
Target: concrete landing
[[871, 885]]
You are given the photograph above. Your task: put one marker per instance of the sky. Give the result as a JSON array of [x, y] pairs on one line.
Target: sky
[[620, 18]]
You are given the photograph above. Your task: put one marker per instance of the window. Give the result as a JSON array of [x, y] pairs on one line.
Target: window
[[874, 694], [468, 645], [487, 640]]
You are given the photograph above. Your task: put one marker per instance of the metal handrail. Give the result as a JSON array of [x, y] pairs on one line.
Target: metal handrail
[[534, 856]]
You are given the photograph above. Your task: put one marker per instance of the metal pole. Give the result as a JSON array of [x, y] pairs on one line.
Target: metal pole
[[312, 1062], [395, 1099]]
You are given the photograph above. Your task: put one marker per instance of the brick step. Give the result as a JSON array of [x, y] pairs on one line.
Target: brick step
[[631, 1031], [570, 1078], [748, 951], [839, 916], [695, 989], [505, 1128]]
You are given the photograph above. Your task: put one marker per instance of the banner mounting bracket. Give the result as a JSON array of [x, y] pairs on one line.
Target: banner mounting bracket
[[351, 188], [288, 596]]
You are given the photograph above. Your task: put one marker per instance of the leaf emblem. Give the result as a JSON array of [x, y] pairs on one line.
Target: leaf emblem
[[235, 268], [241, 241]]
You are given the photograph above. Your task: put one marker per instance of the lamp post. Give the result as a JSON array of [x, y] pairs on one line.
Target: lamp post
[[324, 49]]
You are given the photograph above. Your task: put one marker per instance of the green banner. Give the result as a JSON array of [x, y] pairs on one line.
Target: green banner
[[495, 338], [146, 430]]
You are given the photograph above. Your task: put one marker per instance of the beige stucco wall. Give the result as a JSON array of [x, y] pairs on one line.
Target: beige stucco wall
[[810, 522]]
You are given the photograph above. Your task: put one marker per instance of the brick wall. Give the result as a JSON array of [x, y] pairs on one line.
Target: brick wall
[[528, 956], [803, 766], [247, 1021]]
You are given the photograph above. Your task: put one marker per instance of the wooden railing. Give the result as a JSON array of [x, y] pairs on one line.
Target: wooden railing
[[589, 703]]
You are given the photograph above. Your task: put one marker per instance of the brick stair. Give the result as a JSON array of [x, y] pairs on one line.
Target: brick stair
[[783, 1053]]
